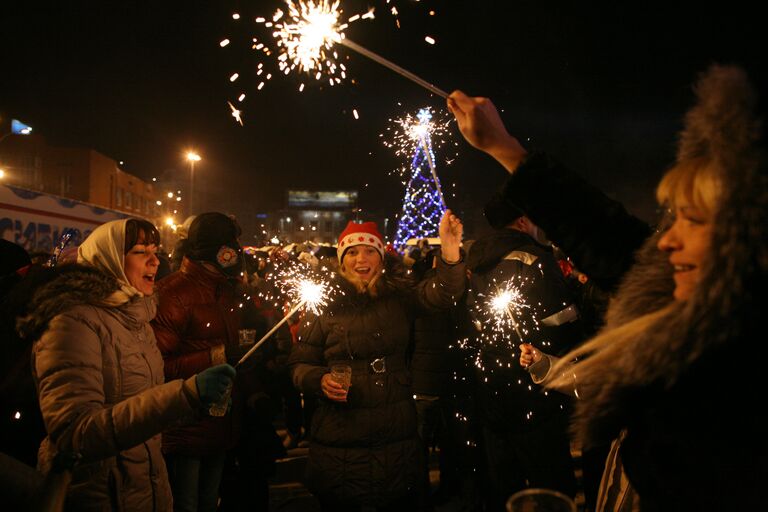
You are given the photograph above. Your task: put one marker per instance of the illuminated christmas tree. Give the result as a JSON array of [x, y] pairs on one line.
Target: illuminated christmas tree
[[423, 204]]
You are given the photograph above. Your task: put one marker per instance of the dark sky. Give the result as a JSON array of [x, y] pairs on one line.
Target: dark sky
[[602, 88]]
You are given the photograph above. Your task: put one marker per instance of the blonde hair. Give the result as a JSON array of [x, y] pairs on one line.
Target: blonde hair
[[696, 182]]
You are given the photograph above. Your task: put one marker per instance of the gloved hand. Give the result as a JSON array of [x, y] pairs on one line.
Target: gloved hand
[[212, 383]]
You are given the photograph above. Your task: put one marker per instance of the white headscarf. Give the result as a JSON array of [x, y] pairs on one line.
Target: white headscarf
[[105, 249]]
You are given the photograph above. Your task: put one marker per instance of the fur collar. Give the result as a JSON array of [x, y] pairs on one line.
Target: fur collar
[[69, 286]]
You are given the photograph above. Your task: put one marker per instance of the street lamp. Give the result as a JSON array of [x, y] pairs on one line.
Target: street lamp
[[192, 157]]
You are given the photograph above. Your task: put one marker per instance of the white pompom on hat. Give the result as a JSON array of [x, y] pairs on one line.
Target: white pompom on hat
[[366, 233]]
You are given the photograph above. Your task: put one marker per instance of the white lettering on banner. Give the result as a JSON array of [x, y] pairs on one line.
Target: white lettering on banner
[[36, 220], [34, 236]]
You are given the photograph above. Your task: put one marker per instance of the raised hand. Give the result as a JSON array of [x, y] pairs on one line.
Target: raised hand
[[481, 126], [451, 231]]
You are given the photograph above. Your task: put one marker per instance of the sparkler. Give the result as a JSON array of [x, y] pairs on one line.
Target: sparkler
[[308, 34], [411, 133], [64, 240], [394, 67], [504, 309], [297, 283], [505, 305]]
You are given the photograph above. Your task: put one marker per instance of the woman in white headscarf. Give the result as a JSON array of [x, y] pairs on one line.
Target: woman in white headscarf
[[99, 373]]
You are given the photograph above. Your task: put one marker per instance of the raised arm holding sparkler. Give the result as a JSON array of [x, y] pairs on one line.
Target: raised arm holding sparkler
[[481, 126]]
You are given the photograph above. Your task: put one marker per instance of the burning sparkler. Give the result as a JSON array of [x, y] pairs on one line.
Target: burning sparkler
[[506, 306], [426, 130], [64, 240], [307, 33], [304, 290]]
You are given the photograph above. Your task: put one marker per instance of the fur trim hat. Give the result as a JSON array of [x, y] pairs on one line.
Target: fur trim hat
[[723, 126], [360, 234]]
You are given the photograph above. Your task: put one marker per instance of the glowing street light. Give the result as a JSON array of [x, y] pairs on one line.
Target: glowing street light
[[192, 157], [2, 174]]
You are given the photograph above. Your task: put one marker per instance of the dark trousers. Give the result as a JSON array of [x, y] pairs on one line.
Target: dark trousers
[[195, 481]]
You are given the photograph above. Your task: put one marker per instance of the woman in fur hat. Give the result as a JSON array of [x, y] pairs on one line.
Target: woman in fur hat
[[683, 341], [99, 373], [365, 450]]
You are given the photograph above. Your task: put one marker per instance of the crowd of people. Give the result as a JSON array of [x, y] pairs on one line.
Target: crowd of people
[[570, 313]]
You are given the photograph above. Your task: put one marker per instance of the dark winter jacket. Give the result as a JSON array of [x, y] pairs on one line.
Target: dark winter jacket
[[548, 320], [595, 231], [366, 451], [198, 311], [100, 379], [431, 360]]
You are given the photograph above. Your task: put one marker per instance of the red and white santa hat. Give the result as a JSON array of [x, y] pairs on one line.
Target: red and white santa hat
[[360, 234]]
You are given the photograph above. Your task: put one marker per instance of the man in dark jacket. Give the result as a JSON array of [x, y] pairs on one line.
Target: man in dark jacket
[[518, 294], [196, 326]]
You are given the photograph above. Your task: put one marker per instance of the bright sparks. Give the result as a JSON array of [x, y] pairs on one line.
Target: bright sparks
[[505, 318], [507, 306], [406, 134], [313, 31], [312, 294], [235, 113], [297, 283], [305, 35]]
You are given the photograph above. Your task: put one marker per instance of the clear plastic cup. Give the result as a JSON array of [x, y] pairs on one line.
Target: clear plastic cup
[[342, 373], [220, 408]]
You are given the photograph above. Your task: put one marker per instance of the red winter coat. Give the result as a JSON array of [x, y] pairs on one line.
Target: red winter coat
[[199, 310]]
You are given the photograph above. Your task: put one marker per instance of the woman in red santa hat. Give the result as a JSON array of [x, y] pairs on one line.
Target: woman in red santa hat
[[365, 451]]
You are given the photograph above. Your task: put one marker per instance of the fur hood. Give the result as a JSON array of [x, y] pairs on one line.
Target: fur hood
[[650, 341], [66, 287]]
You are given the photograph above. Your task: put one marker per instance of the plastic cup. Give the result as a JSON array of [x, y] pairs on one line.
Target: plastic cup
[[220, 408], [342, 373], [540, 500]]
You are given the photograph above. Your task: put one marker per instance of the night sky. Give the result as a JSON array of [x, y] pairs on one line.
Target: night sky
[[603, 89]]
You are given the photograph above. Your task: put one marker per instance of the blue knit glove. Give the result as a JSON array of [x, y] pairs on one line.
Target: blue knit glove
[[212, 383]]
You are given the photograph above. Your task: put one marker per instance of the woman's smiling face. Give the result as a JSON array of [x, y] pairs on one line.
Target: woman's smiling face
[[362, 262], [687, 241]]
